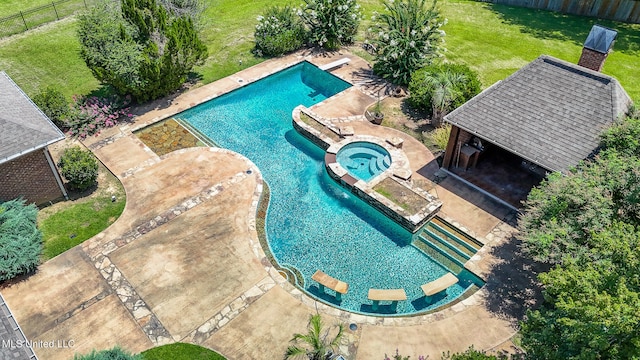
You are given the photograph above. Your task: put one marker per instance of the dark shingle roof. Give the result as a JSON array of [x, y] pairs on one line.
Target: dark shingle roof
[[23, 127], [550, 112]]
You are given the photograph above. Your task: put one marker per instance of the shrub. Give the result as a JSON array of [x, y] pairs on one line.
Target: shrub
[[79, 167], [53, 103], [91, 114], [139, 48], [331, 23], [440, 136], [20, 239], [421, 95], [407, 37], [112, 354], [279, 31]]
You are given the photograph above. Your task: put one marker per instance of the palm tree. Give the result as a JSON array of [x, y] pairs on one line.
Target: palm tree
[[445, 90], [316, 344]]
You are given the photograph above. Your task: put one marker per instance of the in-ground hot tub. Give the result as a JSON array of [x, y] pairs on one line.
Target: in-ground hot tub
[[364, 160]]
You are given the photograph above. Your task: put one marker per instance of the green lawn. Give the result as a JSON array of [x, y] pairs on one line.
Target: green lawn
[[181, 351], [48, 55], [69, 223], [67, 228], [495, 40], [10, 7]]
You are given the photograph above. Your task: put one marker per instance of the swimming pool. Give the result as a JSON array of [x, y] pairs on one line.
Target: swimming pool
[[312, 223], [364, 160]]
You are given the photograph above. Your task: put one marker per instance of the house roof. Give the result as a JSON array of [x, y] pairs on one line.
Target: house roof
[[550, 112], [23, 127]]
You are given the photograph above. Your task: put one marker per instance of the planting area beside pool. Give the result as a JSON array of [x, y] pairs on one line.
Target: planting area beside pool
[[183, 262]]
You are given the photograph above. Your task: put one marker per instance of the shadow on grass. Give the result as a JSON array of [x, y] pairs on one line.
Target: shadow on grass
[[552, 25], [512, 285]]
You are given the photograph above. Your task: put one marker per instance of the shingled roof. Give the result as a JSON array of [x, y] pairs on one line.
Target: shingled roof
[[550, 112], [23, 127]]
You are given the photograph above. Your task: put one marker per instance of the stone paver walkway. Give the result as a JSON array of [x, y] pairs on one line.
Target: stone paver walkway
[[183, 262]]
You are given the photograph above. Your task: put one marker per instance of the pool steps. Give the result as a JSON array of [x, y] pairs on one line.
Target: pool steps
[[445, 244], [457, 233], [439, 256]]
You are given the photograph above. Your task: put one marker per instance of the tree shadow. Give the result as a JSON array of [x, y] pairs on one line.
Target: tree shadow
[[544, 24], [512, 285]]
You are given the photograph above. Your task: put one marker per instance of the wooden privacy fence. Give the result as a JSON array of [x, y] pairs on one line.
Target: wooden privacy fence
[[28, 19], [619, 10]]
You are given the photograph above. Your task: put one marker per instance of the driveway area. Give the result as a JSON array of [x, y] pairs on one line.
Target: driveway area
[[183, 262]]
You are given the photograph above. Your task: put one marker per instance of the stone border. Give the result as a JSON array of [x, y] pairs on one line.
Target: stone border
[[398, 171], [348, 317]]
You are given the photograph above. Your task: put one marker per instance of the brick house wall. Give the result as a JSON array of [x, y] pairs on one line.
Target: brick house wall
[[457, 137], [31, 177]]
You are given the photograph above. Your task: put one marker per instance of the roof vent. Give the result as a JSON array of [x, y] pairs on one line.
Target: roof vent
[[597, 47]]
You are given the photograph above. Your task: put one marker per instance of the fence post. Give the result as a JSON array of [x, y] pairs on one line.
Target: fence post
[[54, 9], [25, 23]]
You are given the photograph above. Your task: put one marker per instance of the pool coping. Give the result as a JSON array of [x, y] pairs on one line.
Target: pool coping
[[399, 170], [499, 233], [449, 309]]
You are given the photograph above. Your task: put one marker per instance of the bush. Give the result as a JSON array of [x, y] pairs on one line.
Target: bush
[[473, 354], [113, 354], [331, 23], [279, 31], [407, 37], [91, 114], [139, 48], [79, 167], [20, 239], [440, 136], [421, 94], [53, 103]]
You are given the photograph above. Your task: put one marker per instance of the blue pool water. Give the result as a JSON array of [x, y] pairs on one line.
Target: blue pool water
[[312, 223], [364, 160]]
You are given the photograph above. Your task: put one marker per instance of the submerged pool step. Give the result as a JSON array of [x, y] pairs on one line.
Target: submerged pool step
[[440, 226], [444, 247], [437, 255], [450, 241]]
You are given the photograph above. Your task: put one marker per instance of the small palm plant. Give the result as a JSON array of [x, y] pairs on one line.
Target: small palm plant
[[316, 343], [445, 91]]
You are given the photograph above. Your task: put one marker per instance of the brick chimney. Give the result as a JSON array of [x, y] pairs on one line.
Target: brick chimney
[[597, 47]]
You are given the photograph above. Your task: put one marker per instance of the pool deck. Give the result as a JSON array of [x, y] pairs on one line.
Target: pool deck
[[183, 263]]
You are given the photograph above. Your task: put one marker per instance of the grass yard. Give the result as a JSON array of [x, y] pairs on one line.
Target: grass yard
[[181, 351], [48, 55], [69, 223], [10, 7], [495, 40]]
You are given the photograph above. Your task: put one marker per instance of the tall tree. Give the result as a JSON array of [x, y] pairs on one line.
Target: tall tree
[[586, 223], [317, 344], [140, 48]]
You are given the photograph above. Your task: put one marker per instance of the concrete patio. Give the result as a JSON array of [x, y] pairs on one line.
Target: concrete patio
[[183, 262]]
